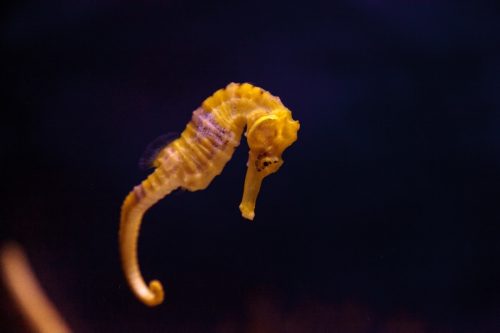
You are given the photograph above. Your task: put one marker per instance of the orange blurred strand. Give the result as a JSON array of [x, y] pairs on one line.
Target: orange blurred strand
[[27, 293]]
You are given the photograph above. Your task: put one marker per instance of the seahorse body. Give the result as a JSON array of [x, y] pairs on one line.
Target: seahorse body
[[200, 154]]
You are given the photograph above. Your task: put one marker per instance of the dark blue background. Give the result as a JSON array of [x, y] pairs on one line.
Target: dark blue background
[[386, 211]]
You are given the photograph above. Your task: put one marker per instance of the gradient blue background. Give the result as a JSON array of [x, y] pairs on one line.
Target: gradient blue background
[[387, 207]]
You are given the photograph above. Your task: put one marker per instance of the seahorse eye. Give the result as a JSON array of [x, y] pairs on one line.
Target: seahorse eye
[[267, 163]]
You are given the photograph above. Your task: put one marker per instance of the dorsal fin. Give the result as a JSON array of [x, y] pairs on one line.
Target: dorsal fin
[[154, 148]]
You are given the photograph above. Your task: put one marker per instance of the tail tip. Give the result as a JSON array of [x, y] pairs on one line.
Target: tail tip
[[158, 294]]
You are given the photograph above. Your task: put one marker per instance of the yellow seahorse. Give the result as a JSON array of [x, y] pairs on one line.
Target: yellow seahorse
[[199, 154]]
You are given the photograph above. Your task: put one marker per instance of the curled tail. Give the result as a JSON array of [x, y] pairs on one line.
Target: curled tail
[[138, 201]]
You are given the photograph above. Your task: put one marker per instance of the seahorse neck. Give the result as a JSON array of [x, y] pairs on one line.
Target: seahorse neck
[[240, 105], [246, 106], [244, 115]]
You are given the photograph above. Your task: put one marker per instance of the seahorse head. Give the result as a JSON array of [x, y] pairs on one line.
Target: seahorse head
[[268, 136]]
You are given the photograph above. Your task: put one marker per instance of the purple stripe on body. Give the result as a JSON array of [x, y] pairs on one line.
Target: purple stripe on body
[[207, 127], [139, 192]]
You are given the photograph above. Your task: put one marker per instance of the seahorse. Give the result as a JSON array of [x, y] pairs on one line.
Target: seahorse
[[199, 154]]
